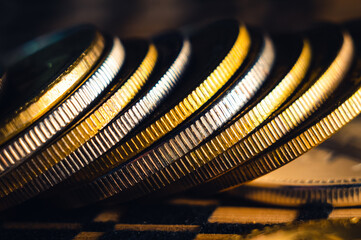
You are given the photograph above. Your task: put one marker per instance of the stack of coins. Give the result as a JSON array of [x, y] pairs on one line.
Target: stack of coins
[[89, 117]]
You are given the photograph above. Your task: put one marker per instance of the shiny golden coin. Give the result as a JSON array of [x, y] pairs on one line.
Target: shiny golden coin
[[284, 123], [175, 51], [42, 72], [56, 120], [94, 121], [340, 110], [280, 87], [343, 106], [215, 157], [179, 113]]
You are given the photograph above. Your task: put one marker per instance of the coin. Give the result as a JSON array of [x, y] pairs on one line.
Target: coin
[[175, 52], [330, 174], [338, 110], [133, 75], [57, 119], [169, 71], [42, 72], [278, 85], [215, 114], [289, 117], [232, 45], [211, 159]]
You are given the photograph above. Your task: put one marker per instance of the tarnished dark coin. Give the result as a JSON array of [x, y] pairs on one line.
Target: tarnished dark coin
[[42, 72]]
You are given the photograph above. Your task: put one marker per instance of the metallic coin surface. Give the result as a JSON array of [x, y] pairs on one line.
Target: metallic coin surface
[[134, 74], [42, 72], [213, 115], [233, 50], [57, 119], [338, 110], [287, 118], [278, 85], [174, 51], [215, 157], [329, 174]]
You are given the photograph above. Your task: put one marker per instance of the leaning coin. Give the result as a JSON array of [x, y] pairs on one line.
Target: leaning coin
[[338, 110], [277, 88], [30, 140], [42, 72], [328, 174], [214, 114], [175, 53], [204, 82], [327, 76], [211, 159]]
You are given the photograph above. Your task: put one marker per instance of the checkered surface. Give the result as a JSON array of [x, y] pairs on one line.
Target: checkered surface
[[220, 217]]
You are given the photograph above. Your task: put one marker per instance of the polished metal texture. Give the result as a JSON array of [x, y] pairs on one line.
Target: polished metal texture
[[208, 161], [89, 126], [207, 121], [205, 109], [283, 123], [50, 95], [122, 123], [298, 141], [122, 180], [208, 88], [36, 136]]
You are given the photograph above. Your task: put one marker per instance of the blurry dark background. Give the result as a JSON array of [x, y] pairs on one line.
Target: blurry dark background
[[22, 20]]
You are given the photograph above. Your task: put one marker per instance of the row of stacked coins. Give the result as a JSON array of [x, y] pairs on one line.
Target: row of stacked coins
[[91, 117]]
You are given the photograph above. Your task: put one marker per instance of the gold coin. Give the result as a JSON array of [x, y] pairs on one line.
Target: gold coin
[[43, 72], [279, 89], [339, 111], [215, 157], [56, 120], [284, 123], [88, 126], [179, 113]]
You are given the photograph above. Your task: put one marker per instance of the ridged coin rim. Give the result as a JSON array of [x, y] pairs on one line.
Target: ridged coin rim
[[36, 136], [55, 92]]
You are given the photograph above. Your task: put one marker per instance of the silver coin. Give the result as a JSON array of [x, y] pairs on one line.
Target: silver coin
[[119, 127], [36, 136], [223, 109]]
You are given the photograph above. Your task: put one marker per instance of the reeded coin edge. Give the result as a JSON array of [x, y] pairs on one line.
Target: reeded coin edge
[[110, 185], [340, 195], [35, 167], [220, 112], [288, 119], [20, 148], [297, 146], [215, 81], [55, 92], [113, 133]]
